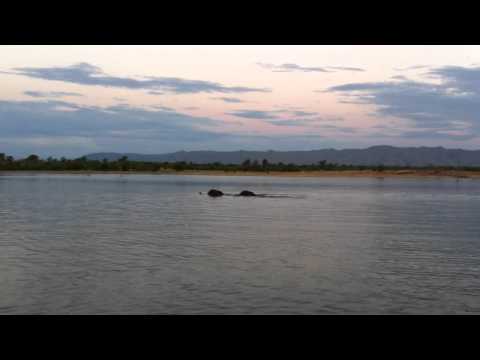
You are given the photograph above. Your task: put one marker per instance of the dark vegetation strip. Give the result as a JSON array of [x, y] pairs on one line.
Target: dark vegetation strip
[[35, 163]]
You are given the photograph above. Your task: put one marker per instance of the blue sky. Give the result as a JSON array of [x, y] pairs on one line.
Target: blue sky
[[74, 100]]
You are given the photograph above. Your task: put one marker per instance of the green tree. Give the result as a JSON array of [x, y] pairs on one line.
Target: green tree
[[123, 163], [104, 165], [33, 158], [246, 163]]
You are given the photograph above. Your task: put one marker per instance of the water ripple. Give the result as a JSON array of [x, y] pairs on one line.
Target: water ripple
[[152, 244]]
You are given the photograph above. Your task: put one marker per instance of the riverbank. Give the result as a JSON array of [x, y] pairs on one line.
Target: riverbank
[[459, 174]]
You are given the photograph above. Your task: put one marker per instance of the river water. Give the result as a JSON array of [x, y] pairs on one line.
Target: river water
[[151, 244]]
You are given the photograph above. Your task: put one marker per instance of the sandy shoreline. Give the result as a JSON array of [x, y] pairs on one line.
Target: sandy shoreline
[[346, 173]]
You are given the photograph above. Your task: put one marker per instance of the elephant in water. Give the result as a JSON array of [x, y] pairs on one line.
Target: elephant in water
[[217, 193], [247, 193]]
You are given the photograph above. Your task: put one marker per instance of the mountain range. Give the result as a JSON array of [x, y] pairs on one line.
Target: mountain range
[[375, 155]]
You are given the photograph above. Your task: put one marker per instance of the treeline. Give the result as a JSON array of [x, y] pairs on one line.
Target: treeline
[[34, 162]]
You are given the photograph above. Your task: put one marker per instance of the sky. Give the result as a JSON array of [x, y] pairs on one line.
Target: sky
[[75, 100]]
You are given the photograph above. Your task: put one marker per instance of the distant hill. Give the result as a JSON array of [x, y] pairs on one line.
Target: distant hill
[[375, 155]]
